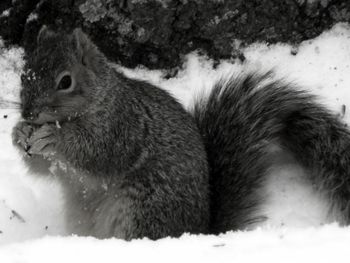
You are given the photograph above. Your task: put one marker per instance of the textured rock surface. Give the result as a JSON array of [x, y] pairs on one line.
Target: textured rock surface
[[156, 33]]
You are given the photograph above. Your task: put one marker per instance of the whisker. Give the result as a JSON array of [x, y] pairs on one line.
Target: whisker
[[8, 104], [10, 101], [9, 107]]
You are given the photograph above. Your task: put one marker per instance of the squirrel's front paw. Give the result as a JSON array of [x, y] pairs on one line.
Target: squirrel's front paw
[[21, 133], [43, 141]]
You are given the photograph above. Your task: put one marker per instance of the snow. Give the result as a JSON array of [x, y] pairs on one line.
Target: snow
[[327, 244], [32, 17], [5, 13], [31, 207]]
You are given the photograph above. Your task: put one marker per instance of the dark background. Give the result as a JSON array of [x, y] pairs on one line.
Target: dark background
[[157, 33]]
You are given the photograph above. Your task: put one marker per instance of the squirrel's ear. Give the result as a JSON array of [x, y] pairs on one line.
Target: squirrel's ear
[[86, 49], [44, 33]]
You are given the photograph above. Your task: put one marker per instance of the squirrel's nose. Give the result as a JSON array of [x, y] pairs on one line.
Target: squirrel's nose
[[29, 115]]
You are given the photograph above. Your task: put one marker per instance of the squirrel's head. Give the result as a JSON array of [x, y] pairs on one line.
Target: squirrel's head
[[61, 77]]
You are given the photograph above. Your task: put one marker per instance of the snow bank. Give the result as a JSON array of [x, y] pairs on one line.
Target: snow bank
[[31, 207], [327, 244]]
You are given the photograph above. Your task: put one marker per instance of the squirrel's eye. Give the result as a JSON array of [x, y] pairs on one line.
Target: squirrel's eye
[[65, 83]]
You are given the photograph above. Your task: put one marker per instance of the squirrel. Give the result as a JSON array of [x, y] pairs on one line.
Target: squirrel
[[137, 164]]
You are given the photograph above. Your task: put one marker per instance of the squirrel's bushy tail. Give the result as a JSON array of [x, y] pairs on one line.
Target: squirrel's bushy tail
[[242, 118]]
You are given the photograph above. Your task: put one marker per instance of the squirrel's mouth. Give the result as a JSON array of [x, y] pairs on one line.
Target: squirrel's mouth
[[45, 117]]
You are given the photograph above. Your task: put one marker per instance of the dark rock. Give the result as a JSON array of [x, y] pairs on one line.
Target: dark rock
[[157, 33], [4, 5]]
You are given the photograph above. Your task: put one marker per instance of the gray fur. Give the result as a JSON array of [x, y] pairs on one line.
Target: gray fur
[[241, 119], [136, 162]]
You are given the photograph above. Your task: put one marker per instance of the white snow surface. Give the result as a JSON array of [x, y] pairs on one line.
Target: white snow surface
[[31, 207]]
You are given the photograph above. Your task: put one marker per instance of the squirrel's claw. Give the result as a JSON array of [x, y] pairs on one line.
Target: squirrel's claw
[[20, 135]]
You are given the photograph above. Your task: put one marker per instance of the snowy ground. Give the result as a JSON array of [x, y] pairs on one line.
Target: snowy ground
[[31, 207]]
